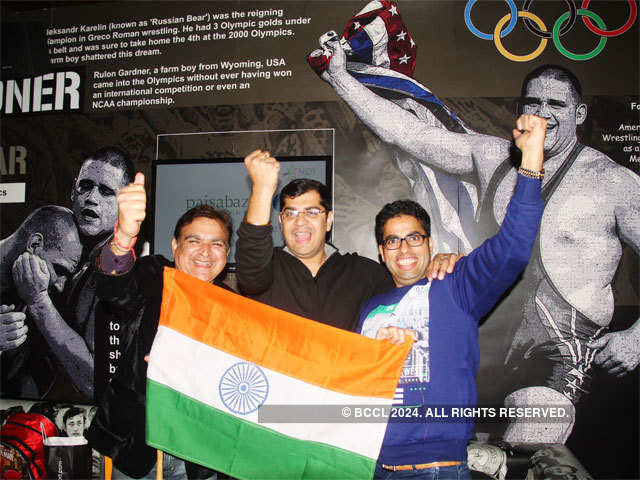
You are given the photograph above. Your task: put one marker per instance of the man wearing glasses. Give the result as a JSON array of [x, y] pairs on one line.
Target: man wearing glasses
[[307, 276], [442, 317]]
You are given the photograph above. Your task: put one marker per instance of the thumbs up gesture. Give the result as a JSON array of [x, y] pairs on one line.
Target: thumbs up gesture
[[132, 205]]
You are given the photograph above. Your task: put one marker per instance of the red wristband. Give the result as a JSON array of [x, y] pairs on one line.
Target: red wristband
[[122, 247]]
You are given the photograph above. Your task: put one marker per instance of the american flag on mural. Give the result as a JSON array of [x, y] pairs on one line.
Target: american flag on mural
[[382, 56], [377, 36]]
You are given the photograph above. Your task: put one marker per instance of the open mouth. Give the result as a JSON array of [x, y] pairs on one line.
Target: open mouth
[[88, 214], [406, 263], [302, 237]]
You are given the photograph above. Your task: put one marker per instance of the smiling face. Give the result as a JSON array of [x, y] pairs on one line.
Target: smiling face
[[94, 197], [554, 100], [406, 264], [202, 248], [303, 235]]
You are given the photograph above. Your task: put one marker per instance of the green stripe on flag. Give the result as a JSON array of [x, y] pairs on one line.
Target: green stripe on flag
[[189, 429]]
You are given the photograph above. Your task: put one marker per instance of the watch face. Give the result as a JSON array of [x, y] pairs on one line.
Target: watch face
[[485, 458], [478, 456]]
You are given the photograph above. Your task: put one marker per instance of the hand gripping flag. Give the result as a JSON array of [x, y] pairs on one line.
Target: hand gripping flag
[[381, 55], [219, 359]]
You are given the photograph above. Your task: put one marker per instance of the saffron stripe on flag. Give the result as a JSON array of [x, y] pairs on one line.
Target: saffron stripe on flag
[[220, 357], [283, 342]]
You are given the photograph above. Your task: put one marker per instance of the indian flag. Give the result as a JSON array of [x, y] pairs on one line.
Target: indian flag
[[218, 359]]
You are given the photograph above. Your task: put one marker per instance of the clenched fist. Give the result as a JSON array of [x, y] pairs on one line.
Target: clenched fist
[[263, 170]]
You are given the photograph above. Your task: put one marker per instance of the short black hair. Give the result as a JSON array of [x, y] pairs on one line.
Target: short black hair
[[44, 408], [300, 186], [559, 73], [116, 157], [53, 222], [206, 211], [72, 412], [401, 207]]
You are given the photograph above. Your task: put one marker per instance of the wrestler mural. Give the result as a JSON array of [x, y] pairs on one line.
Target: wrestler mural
[[48, 324], [464, 179], [480, 86], [49, 235]]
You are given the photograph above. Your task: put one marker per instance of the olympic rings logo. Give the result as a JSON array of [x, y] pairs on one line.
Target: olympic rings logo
[[562, 25]]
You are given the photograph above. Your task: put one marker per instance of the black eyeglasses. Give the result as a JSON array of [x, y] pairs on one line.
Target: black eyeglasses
[[413, 240], [313, 212]]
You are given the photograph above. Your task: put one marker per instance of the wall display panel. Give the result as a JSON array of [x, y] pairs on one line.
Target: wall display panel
[[181, 185], [426, 113]]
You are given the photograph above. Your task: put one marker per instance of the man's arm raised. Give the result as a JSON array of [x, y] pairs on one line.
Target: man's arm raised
[[491, 268], [254, 247], [132, 206], [449, 151], [529, 136], [119, 285], [263, 170]]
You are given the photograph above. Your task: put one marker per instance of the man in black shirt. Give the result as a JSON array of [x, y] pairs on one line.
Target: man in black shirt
[[307, 276]]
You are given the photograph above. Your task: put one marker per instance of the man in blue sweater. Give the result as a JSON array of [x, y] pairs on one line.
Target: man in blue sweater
[[442, 316]]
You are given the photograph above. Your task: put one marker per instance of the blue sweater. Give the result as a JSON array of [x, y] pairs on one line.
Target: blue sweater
[[439, 373]]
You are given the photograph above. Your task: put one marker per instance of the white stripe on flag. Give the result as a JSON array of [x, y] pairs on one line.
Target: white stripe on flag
[[369, 7], [379, 36], [172, 364]]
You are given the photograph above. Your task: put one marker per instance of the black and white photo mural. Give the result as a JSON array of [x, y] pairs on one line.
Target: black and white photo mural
[[409, 100]]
